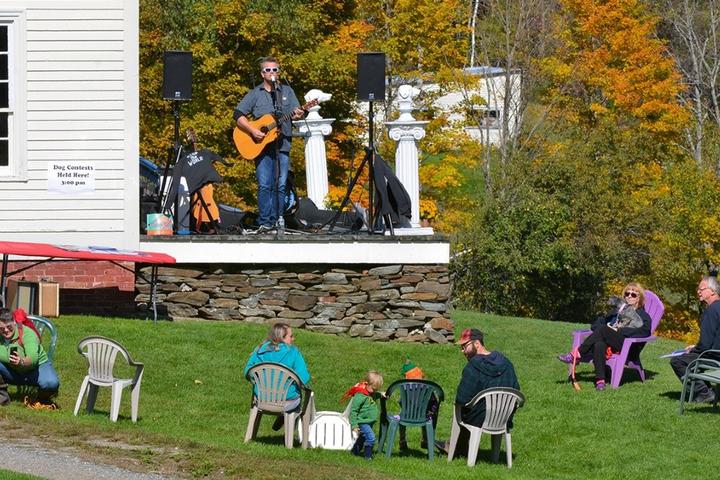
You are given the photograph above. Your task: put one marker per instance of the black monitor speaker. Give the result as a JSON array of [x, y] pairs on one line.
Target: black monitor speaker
[[371, 77], [177, 75]]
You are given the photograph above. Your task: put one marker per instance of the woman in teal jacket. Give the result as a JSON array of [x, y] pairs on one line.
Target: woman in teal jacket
[[279, 348]]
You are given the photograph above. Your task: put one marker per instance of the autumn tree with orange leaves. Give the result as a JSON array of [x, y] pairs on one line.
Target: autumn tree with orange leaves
[[596, 189], [590, 203]]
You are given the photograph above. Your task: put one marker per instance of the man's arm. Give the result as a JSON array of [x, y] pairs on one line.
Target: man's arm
[[296, 113], [467, 388], [244, 124], [708, 329], [243, 109]]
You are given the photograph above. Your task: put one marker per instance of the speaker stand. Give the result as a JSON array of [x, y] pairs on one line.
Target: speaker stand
[[371, 169], [173, 152], [333, 221]]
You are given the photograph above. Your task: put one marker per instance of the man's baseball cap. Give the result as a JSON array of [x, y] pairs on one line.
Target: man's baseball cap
[[470, 334]]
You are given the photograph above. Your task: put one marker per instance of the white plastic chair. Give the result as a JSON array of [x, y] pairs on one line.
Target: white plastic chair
[[500, 403], [101, 353], [329, 430]]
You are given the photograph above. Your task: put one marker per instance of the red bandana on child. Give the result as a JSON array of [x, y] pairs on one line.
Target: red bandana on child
[[360, 387]]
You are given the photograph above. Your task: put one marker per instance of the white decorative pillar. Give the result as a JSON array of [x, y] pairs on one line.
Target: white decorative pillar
[[407, 132], [315, 128]]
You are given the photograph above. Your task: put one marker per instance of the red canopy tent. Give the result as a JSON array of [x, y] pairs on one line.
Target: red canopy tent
[[47, 252]]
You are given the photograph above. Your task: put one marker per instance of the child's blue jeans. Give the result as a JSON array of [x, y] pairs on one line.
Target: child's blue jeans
[[367, 433]]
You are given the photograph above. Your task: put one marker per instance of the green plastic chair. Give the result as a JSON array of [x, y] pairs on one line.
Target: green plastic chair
[[414, 399], [44, 325], [705, 368]]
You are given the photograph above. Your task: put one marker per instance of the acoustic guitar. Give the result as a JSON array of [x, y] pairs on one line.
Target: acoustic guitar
[[246, 144]]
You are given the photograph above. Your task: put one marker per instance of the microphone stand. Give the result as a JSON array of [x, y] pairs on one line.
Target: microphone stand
[[277, 107]]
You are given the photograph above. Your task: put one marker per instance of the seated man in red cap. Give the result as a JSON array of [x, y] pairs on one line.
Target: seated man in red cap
[[485, 369]]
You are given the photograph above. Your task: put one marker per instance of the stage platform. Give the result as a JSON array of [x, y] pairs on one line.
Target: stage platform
[[337, 249]]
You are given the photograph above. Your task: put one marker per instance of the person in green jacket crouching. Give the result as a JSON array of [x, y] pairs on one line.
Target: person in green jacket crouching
[[23, 360]]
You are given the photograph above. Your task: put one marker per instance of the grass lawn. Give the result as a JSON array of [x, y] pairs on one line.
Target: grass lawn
[[194, 406], [8, 475]]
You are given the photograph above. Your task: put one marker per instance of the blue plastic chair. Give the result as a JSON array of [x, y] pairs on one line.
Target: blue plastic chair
[[413, 402]]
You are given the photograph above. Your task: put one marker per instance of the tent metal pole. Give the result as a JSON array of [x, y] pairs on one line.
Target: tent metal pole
[[3, 287]]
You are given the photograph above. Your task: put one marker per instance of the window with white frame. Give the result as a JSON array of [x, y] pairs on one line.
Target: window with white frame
[[484, 116], [12, 87], [4, 98]]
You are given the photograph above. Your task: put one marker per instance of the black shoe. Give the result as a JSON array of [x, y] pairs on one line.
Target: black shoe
[[442, 446], [368, 452], [706, 396], [357, 446], [265, 230]]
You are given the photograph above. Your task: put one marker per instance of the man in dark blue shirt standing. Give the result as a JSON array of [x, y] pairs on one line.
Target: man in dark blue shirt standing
[[708, 292], [270, 97]]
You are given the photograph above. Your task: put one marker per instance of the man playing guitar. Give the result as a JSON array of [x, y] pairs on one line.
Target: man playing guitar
[[270, 97]]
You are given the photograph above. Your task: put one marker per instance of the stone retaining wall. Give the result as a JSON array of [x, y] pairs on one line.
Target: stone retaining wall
[[392, 302]]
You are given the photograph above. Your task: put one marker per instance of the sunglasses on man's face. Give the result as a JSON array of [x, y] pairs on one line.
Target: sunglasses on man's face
[[631, 294], [271, 69]]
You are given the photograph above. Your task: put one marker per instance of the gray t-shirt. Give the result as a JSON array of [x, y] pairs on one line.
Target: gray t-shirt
[[258, 102]]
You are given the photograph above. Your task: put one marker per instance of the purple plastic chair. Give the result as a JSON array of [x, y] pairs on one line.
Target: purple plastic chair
[[629, 356]]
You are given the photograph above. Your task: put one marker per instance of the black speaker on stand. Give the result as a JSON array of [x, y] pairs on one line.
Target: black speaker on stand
[[370, 88], [177, 76], [177, 86], [370, 77]]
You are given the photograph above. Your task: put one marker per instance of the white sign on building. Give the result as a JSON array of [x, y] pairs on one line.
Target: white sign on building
[[71, 177]]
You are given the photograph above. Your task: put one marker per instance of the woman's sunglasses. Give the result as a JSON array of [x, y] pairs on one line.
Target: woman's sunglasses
[[631, 294]]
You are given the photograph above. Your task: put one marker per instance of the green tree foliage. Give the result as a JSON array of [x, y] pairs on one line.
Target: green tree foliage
[[316, 41], [561, 231], [598, 198], [598, 188], [226, 39]]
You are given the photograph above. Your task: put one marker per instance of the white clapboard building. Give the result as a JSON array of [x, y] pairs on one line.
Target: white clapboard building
[[69, 121]]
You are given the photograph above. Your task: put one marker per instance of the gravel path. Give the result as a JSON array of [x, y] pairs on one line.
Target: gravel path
[[53, 464]]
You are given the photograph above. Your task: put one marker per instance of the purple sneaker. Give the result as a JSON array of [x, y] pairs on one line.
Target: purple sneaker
[[566, 357], [600, 385]]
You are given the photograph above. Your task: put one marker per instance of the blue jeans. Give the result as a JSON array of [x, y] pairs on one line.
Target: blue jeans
[[366, 431], [269, 197], [43, 376]]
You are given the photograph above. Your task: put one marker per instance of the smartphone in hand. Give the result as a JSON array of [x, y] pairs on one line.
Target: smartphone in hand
[[13, 351]]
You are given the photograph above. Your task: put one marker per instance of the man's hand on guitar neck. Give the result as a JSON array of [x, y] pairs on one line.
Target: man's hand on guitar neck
[[297, 114]]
